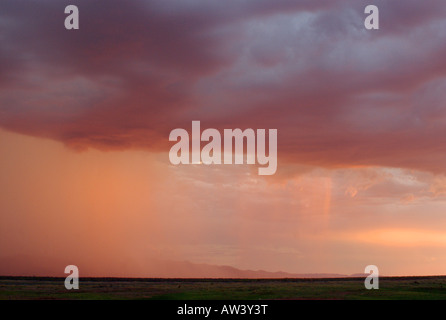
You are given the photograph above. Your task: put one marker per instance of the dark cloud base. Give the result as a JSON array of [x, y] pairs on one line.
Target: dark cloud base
[[338, 94]]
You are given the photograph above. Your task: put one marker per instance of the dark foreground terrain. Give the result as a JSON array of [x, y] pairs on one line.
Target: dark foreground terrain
[[113, 288]]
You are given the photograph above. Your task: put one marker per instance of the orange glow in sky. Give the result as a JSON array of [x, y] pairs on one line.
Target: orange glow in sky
[[85, 118]]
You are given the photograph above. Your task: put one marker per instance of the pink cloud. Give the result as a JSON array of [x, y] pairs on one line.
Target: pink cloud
[[339, 95]]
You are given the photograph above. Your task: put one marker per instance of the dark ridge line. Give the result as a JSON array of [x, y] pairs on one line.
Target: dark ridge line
[[120, 279]]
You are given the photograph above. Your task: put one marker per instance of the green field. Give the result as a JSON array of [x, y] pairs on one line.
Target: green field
[[117, 289]]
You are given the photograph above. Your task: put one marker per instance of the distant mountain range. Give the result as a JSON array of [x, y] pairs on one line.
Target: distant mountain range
[[186, 269], [27, 266]]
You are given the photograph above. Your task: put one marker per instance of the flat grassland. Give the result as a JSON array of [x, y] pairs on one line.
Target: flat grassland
[[391, 288]]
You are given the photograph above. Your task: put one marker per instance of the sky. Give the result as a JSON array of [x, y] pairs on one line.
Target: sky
[[85, 117]]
